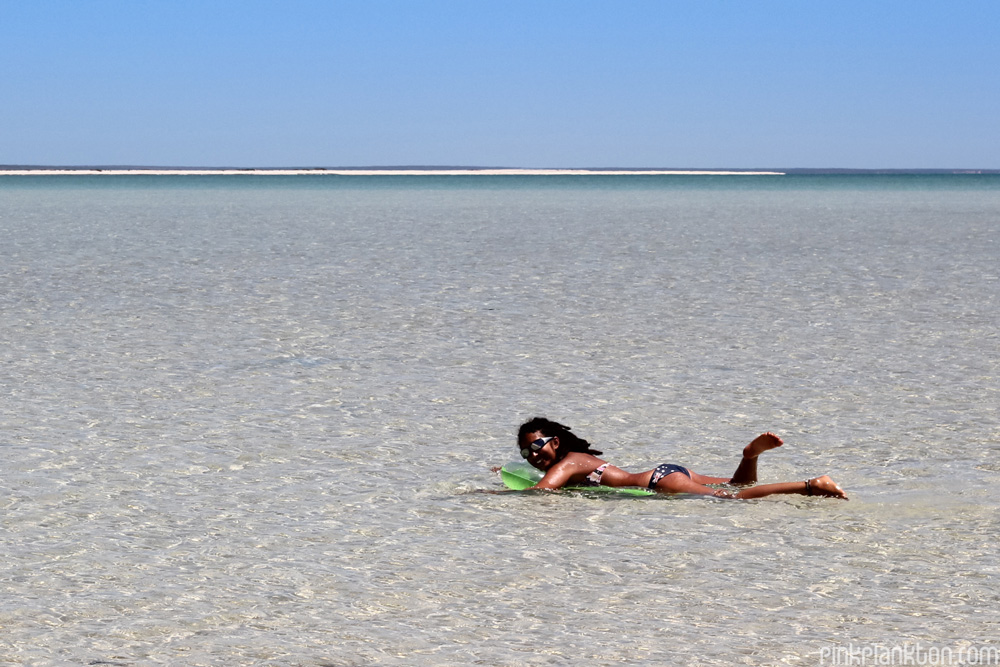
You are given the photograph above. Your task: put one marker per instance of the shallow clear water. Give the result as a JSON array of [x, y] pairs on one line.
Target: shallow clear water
[[245, 420]]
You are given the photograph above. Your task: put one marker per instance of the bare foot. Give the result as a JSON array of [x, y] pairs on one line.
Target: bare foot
[[824, 486], [761, 444]]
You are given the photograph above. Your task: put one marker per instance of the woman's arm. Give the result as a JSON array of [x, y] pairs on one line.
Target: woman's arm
[[555, 478], [574, 468]]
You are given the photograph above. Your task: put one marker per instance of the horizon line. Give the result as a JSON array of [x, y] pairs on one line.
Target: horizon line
[[461, 170], [356, 171]]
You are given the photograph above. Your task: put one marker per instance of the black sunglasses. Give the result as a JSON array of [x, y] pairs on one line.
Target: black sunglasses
[[535, 446]]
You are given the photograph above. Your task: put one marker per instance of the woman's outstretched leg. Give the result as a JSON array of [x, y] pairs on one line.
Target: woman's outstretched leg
[[678, 482], [817, 486]]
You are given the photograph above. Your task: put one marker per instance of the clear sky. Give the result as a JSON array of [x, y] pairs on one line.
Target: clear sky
[[536, 83]]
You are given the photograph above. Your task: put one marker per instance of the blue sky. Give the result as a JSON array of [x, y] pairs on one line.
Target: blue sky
[[542, 83]]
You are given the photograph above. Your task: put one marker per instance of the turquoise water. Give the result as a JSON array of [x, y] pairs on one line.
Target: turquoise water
[[246, 420]]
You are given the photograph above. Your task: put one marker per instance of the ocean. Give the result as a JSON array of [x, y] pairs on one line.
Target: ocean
[[251, 420]]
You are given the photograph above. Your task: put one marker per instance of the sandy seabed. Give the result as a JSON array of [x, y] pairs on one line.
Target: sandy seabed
[[253, 423]]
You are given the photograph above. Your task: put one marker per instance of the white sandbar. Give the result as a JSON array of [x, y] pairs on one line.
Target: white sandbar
[[373, 172]]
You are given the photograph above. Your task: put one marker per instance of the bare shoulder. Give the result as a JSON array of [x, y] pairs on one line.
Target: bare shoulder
[[576, 462], [572, 468]]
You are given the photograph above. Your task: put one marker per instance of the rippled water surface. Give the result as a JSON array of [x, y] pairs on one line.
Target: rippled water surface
[[247, 420]]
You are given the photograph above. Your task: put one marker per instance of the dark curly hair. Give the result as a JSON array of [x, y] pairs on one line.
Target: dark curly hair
[[568, 441]]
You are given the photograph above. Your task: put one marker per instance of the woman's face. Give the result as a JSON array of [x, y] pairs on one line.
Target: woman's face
[[545, 457]]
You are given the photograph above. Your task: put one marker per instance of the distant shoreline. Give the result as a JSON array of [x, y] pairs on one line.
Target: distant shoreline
[[153, 171], [115, 170]]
